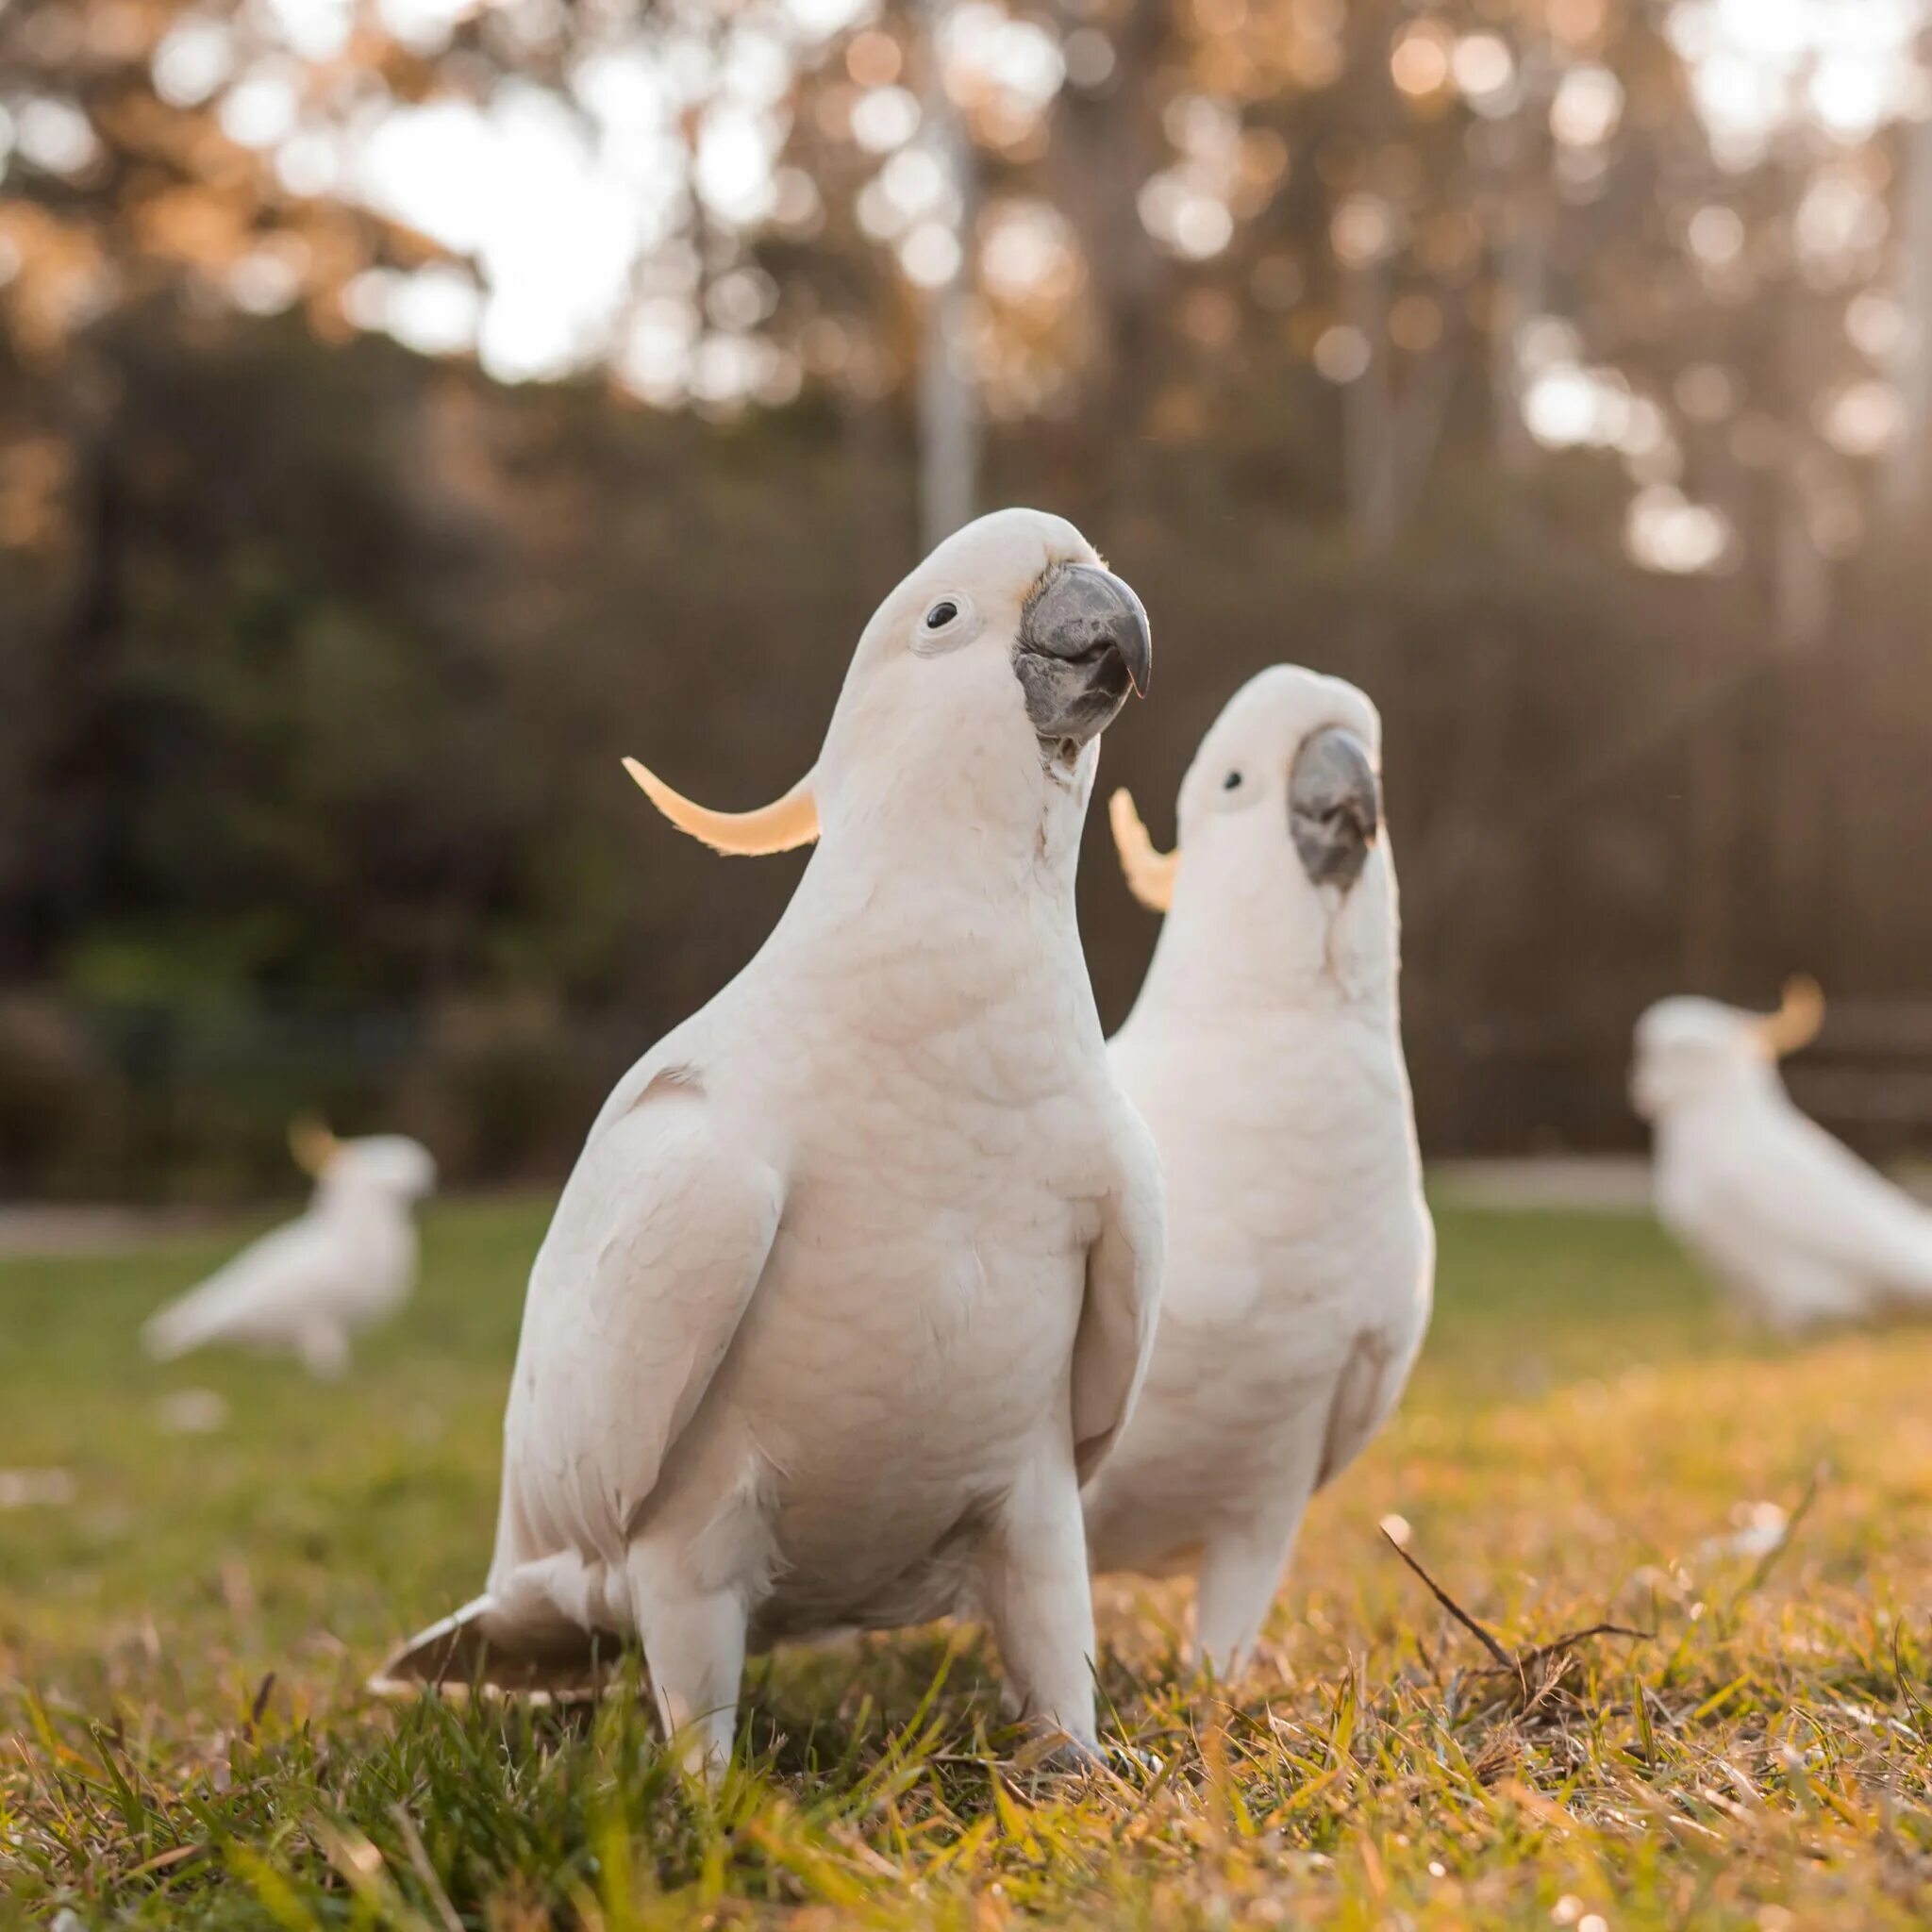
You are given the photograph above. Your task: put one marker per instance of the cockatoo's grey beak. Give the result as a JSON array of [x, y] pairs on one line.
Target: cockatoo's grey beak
[[1084, 646], [1334, 807]]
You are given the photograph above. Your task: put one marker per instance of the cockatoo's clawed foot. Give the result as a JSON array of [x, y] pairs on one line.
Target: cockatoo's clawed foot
[[1137, 1766], [704, 1774], [1054, 1754]]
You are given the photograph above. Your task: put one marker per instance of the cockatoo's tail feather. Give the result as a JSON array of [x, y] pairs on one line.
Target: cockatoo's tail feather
[[1798, 1021], [784, 824], [480, 1646], [1150, 871], [172, 1332]]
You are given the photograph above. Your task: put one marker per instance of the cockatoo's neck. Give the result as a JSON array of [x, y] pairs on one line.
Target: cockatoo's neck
[[1746, 1083], [954, 810], [352, 1197], [942, 911], [1244, 946]]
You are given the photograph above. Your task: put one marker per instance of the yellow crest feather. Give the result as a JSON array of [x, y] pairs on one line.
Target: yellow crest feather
[[786, 823], [311, 1144], [1150, 871], [1798, 1018]]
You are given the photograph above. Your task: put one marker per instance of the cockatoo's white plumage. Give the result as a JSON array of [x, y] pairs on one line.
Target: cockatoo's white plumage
[[1264, 1053], [309, 1288], [1790, 1220], [857, 1273]]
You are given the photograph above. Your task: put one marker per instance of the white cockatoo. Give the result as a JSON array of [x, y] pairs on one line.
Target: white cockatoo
[[1265, 1054], [309, 1288], [1790, 1220], [857, 1274]]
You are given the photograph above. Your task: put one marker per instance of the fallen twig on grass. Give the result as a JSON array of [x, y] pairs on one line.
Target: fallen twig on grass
[[1517, 1664], [1456, 1609], [1570, 1638]]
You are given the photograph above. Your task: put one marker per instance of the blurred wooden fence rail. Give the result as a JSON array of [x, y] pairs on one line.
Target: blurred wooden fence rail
[[148, 1103], [1522, 1086], [158, 1103], [1870, 1076]]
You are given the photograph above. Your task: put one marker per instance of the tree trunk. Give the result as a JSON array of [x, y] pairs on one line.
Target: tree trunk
[[1107, 145], [1909, 470], [1524, 219], [1368, 412], [949, 427]]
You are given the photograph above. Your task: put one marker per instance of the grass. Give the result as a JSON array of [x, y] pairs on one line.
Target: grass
[[182, 1638]]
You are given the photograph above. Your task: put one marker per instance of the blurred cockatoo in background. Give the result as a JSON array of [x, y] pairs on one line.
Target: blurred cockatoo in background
[[1265, 1054], [309, 1288], [1790, 1220], [855, 1278]]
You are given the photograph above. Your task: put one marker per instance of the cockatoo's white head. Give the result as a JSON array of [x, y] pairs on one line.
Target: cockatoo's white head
[[389, 1167], [1282, 858], [1690, 1051], [980, 684]]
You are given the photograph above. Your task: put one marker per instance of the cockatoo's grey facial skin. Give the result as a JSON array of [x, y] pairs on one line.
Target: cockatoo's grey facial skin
[[1334, 807], [1084, 646]]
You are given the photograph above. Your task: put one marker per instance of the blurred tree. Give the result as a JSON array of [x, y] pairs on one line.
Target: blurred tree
[[1909, 481], [404, 408]]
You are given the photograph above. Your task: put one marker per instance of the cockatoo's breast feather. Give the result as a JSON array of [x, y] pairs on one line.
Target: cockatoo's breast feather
[[909, 1308], [1248, 1159]]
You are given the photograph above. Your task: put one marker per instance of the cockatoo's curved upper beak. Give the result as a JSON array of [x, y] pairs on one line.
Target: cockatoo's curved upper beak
[[1334, 806], [1084, 646]]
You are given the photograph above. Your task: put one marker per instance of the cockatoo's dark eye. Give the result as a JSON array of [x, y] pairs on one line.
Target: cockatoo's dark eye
[[947, 623], [1232, 782]]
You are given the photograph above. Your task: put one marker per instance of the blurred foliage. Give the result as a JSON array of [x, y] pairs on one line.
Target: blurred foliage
[[1464, 349]]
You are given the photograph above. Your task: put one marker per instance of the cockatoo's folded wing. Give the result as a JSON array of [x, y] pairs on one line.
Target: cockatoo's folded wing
[[1366, 1391], [1115, 1340], [1789, 1183], [266, 1290], [656, 1249]]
